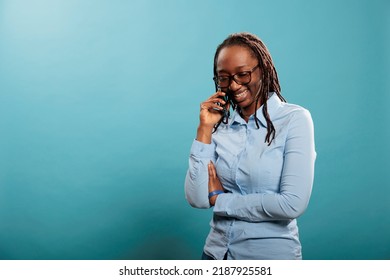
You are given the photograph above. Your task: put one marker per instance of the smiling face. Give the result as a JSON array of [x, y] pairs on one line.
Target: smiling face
[[234, 60]]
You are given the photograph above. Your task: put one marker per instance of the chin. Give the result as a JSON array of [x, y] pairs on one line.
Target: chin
[[246, 104]]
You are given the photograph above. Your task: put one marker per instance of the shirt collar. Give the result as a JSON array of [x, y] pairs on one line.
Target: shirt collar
[[273, 103]]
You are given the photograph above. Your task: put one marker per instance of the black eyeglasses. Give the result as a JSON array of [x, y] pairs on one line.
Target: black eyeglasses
[[241, 78]]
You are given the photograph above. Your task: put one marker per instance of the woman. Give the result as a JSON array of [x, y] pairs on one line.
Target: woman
[[255, 167]]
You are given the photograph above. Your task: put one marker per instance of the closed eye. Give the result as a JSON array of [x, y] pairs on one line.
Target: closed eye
[[242, 74]]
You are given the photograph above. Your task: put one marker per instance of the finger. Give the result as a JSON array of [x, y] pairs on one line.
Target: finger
[[211, 179], [210, 106], [212, 171], [218, 94], [216, 100]]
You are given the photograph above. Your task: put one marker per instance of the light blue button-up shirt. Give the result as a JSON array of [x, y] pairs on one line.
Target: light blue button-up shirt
[[268, 187]]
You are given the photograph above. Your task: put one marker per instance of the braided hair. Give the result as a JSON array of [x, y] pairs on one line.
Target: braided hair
[[270, 82]]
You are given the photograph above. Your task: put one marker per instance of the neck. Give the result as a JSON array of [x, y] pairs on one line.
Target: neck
[[249, 110], [246, 114]]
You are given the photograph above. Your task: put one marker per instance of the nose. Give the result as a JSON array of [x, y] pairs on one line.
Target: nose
[[233, 85]]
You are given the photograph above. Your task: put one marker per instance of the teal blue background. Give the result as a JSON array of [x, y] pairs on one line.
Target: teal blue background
[[99, 105]]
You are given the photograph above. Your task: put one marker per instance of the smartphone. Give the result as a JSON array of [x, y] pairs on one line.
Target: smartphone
[[225, 112]]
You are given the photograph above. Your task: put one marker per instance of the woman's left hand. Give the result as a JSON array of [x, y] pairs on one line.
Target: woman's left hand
[[214, 183]]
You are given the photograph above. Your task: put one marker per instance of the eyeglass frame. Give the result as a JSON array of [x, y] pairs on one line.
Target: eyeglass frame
[[232, 77]]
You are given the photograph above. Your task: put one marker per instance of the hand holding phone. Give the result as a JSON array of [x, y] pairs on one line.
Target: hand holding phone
[[214, 110]]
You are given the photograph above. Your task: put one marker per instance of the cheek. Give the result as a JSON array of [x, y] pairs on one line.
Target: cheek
[[254, 88]]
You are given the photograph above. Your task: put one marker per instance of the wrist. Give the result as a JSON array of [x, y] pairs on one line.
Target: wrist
[[204, 133], [213, 196], [214, 193]]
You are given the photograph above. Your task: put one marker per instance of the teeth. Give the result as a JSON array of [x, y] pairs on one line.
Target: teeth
[[240, 94]]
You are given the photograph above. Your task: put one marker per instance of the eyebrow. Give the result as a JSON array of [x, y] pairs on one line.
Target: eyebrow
[[237, 68]]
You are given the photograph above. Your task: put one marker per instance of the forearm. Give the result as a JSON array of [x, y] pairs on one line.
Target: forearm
[[196, 188], [203, 134], [261, 207], [196, 182]]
